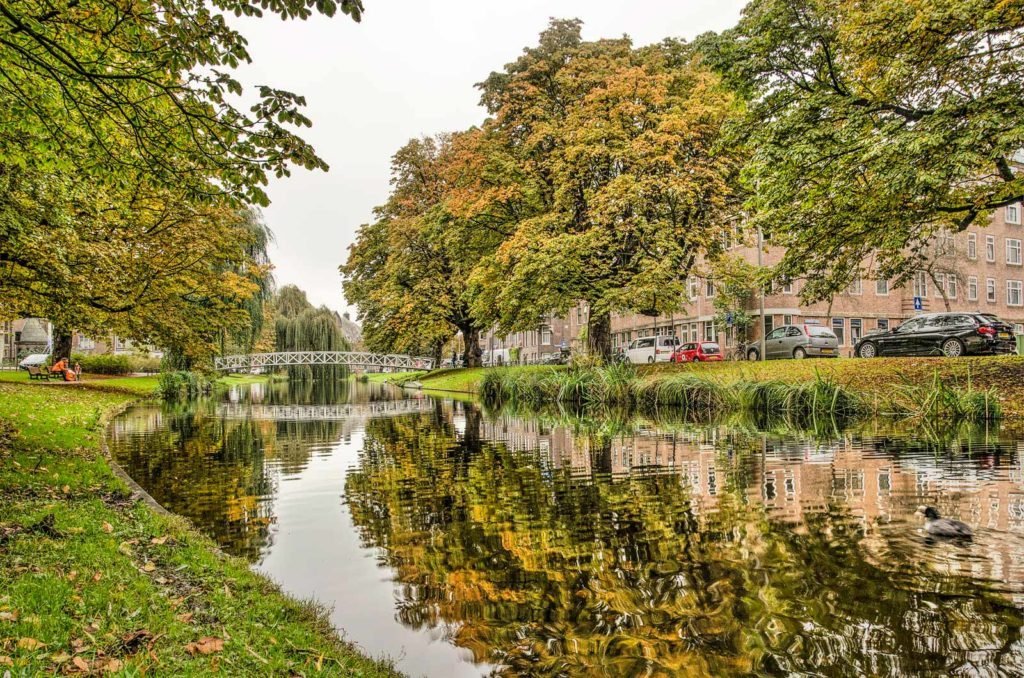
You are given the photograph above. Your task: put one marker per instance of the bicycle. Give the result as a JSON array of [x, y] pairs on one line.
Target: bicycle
[[739, 352]]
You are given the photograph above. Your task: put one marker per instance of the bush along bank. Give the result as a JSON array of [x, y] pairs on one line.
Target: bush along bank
[[699, 392], [94, 581]]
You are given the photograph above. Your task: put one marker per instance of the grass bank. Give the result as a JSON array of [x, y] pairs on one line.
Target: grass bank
[[93, 581], [389, 377], [968, 388]]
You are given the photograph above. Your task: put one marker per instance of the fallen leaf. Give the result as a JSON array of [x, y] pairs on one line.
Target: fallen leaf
[[11, 616], [205, 645], [159, 540], [160, 580], [125, 548], [108, 528], [29, 644], [6, 661], [66, 489], [184, 618], [60, 657], [72, 575], [111, 666], [97, 576], [149, 566], [80, 664]]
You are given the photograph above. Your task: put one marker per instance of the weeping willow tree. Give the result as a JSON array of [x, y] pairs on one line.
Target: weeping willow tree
[[301, 327]]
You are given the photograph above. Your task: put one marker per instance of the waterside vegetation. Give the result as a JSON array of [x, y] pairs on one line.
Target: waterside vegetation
[[93, 580], [979, 389]]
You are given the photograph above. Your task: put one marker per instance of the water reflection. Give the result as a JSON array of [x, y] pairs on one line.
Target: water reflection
[[559, 544]]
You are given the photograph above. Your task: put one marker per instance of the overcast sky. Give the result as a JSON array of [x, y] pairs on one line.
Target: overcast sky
[[407, 70]]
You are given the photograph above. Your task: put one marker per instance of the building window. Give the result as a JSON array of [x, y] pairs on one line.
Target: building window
[[693, 287], [883, 324], [545, 336], [882, 287], [1018, 329], [972, 288], [990, 290], [787, 287], [1013, 214], [857, 286], [769, 324], [920, 286], [972, 245], [990, 248], [1013, 251], [839, 328], [693, 332], [787, 320], [951, 289], [709, 291], [1014, 293], [709, 330], [856, 327], [940, 283]]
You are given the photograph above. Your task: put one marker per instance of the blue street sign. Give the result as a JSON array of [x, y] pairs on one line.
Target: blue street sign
[[918, 304]]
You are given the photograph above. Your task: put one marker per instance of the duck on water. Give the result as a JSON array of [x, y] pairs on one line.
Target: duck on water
[[944, 527]]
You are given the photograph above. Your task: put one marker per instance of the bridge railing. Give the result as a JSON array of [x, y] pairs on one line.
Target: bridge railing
[[252, 361]]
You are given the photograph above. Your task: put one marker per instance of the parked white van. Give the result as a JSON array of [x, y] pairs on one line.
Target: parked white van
[[651, 349]]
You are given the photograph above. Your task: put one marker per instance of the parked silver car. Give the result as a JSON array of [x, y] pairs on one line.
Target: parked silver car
[[797, 341]]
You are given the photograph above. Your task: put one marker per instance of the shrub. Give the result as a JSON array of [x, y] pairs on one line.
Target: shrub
[[182, 385], [104, 363]]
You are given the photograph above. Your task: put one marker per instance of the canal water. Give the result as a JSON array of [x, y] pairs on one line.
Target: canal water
[[459, 541]]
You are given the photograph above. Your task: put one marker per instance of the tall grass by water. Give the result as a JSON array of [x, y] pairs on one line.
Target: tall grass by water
[[696, 392]]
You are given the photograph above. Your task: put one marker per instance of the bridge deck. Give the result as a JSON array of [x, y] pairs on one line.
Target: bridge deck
[[235, 363]]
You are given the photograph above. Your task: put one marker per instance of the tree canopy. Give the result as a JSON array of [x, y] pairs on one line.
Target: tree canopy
[[129, 162], [874, 126]]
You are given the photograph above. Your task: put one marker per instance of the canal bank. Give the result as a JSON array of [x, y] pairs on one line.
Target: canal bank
[[94, 580], [872, 381]]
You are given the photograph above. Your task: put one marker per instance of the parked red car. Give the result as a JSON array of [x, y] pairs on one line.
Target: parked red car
[[697, 351]]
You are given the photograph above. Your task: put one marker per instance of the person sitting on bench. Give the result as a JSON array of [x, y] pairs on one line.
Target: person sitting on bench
[[61, 368]]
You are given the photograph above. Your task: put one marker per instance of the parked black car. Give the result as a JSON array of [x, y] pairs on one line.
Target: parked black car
[[949, 334]]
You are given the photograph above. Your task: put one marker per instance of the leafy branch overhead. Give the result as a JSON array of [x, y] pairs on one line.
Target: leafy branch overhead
[[148, 87]]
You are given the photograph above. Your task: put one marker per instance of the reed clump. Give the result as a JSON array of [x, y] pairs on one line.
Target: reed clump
[[693, 391]]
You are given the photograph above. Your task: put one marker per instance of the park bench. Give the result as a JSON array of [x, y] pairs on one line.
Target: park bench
[[37, 373]]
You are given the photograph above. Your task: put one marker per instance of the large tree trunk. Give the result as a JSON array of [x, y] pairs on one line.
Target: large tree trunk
[[471, 337], [599, 335], [61, 343], [435, 353]]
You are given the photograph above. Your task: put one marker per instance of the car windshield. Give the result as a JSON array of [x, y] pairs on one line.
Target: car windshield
[[815, 331], [990, 318]]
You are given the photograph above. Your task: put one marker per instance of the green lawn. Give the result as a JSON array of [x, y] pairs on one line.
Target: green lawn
[[1005, 374], [93, 581], [396, 377], [466, 379]]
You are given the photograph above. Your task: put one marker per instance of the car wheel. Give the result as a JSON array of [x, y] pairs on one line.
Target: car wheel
[[752, 355], [952, 348], [867, 350], [650, 360], [799, 353], [696, 359]]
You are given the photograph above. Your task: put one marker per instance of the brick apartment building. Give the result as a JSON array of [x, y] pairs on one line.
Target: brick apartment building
[[981, 269]]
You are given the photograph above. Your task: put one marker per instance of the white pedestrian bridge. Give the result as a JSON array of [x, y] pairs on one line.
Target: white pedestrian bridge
[[359, 411], [350, 359]]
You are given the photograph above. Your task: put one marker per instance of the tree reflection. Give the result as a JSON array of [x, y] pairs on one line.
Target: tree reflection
[[549, 571]]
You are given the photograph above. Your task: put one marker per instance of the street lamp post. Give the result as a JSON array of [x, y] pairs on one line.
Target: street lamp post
[[760, 264]]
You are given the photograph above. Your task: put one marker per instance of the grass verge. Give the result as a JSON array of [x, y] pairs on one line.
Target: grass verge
[[92, 580], [970, 389]]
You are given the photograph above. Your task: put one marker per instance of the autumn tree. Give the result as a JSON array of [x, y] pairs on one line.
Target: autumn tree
[[874, 126], [138, 260], [299, 326], [618, 148], [408, 271]]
